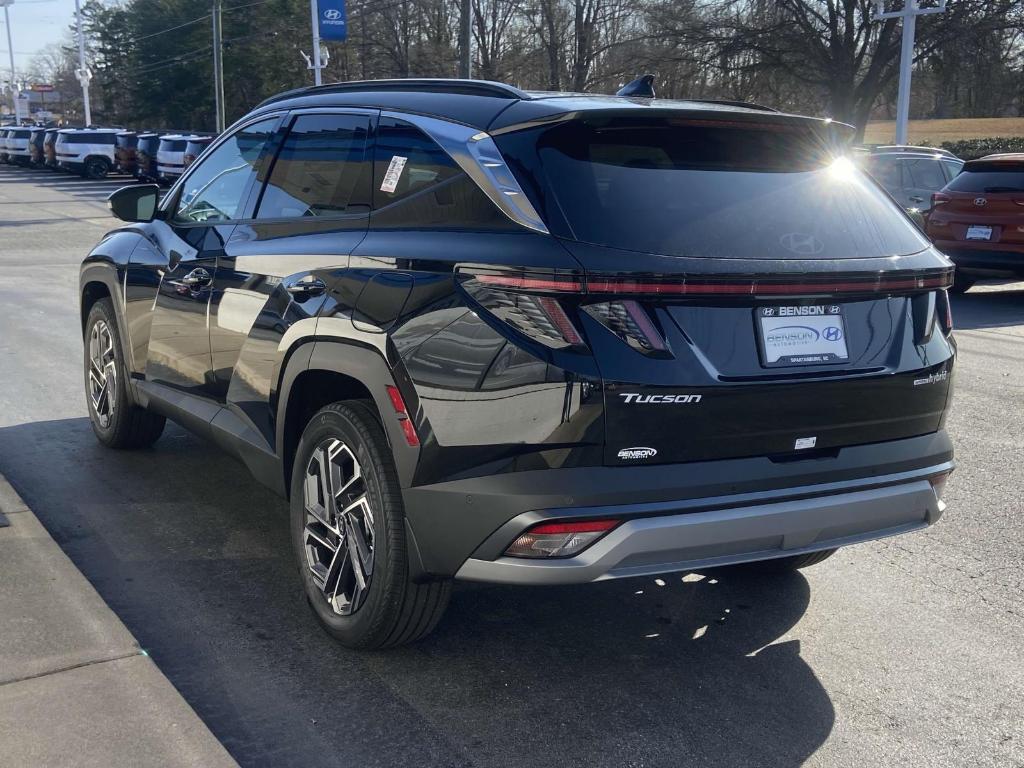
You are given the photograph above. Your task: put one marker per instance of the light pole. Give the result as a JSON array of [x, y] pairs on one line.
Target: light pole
[[909, 13], [10, 49], [316, 65], [218, 67], [83, 73]]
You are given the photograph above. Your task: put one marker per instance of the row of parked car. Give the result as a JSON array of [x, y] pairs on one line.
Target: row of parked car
[[96, 152]]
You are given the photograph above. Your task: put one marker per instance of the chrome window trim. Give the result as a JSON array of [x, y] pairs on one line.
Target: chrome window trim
[[478, 156]]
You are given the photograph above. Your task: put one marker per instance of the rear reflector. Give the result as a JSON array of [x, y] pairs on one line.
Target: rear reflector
[[403, 416], [938, 483], [562, 539]]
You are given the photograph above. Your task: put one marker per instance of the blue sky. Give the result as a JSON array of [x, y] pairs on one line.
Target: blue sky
[[35, 24]]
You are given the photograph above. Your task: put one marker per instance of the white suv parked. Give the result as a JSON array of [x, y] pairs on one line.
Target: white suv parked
[[170, 157], [88, 151], [16, 145]]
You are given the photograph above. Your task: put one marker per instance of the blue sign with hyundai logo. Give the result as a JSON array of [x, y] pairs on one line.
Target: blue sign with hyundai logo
[[333, 24]]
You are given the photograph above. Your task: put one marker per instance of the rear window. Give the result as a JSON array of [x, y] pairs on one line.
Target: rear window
[[173, 145], [127, 140], [700, 188], [989, 178]]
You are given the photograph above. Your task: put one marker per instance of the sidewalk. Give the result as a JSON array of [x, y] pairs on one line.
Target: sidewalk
[[75, 688]]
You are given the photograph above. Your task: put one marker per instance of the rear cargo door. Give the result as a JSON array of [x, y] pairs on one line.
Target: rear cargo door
[[747, 293]]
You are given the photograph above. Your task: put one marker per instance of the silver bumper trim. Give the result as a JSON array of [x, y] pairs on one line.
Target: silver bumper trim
[[682, 542]]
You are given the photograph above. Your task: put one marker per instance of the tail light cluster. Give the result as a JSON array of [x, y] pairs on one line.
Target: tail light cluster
[[539, 307], [562, 539], [940, 198]]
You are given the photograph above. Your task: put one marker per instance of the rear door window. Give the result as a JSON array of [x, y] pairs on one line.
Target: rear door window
[[416, 184], [321, 170], [684, 187]]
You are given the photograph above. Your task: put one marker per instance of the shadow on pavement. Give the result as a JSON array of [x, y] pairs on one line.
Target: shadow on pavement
[[193, 556], [978, 309]]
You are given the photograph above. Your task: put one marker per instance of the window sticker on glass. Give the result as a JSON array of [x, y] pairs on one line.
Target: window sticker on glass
[[393, 173]]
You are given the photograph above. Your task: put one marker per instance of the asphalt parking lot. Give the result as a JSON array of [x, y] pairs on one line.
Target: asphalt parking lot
[[906, 652]]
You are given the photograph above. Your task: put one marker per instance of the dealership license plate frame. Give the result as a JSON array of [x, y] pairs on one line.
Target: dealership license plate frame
[[973, 230], [823, 351]]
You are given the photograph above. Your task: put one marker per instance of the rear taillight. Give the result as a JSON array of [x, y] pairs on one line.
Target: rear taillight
[[944, 310], [563, 539], [940, 198], [630, 322], [529, 304]]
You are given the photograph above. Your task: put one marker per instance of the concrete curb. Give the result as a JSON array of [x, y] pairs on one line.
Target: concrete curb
[[75, 687]]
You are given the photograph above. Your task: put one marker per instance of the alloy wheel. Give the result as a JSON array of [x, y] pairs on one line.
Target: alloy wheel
[[339, 536], [102, 373]]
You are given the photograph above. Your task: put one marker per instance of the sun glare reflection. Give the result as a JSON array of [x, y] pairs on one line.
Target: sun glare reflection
[[842, 169]]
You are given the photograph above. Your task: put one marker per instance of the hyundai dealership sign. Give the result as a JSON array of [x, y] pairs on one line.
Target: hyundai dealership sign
[[333, 24]]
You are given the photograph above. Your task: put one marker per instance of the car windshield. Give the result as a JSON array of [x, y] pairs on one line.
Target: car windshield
[[989, 178], [686, 187]]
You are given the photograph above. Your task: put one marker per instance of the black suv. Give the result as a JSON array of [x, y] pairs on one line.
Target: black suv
[[480, 333]]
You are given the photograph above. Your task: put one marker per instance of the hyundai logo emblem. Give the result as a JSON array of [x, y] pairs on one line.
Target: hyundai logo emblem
[[832, 333], [801, 243], [332, 14], [980, 201]]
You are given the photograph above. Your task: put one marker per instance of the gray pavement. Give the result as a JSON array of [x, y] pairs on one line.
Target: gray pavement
[[75, 687], [906, 652]]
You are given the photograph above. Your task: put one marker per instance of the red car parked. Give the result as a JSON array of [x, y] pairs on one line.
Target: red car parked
[[977, 219]]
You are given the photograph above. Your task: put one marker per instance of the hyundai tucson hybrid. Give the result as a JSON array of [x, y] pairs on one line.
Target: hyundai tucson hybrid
[[977, 219], [473, 332]]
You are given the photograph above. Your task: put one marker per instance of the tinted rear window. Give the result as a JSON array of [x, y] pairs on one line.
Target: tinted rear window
[[989, 178], [172, 145], [700, 188], [127, 141]]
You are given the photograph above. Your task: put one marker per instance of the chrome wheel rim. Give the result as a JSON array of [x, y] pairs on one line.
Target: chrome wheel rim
[[338, 537], [102, 373]]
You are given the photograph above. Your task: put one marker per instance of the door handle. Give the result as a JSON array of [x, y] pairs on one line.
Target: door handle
[[307, 286], [197, 277]]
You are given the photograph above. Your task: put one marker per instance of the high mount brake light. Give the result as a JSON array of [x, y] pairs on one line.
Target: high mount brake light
[[559, 539]]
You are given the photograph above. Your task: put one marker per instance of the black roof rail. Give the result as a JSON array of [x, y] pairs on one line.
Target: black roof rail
[[732, 103], [427, 84]]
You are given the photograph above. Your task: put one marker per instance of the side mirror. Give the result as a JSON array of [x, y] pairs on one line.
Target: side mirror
[[135, 203]]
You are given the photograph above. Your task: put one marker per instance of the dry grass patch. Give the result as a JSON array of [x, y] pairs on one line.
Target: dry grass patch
[[938, 131]]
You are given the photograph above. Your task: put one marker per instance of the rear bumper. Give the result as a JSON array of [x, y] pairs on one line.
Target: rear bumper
[[452, 524], [988, 257], [723, 536]]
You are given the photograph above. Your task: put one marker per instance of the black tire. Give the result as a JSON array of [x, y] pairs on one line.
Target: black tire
[[962, 283], [126, 425], [788, 564], [96, 168], [393, 610]]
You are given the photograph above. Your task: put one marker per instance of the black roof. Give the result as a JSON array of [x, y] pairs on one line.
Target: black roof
[[491, 106]]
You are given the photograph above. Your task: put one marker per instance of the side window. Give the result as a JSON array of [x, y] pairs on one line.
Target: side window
[[886, 173], [926, 174], [953, 167], [321, 169], [417, 184], [214, 190]]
